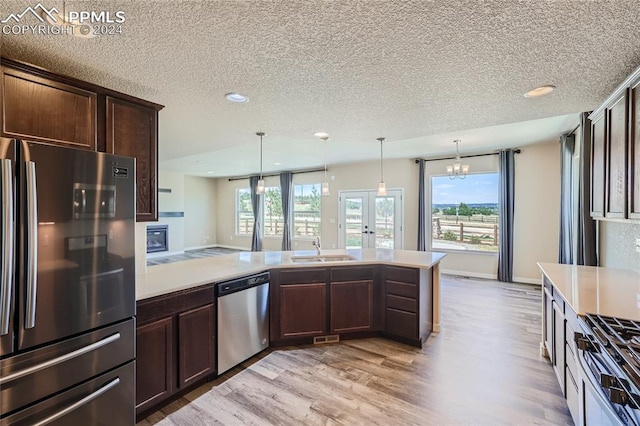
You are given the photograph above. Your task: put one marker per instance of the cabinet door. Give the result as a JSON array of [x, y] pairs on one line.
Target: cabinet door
[[634, 152], [154, 363], [598, 157], [196, 343], [132, 131], [616, 200], [303, 310], [559, 344], [351, 306], [39, 109], [548, 323]]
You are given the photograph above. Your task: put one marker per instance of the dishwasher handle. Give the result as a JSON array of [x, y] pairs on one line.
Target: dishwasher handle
[[233, 286]]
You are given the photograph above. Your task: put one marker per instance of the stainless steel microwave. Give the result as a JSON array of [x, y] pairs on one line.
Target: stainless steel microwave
[[93, 201]]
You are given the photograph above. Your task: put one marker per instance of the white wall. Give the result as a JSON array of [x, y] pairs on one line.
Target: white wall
[[171, 202], [537, 208], [199, 212]]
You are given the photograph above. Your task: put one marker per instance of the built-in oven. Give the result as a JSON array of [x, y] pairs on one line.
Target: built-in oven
[[608, 382]]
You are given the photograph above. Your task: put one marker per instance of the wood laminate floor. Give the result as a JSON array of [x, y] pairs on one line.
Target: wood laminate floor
[[484, 368]]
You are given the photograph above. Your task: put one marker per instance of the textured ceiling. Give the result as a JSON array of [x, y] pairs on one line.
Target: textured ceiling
[[419, 73]]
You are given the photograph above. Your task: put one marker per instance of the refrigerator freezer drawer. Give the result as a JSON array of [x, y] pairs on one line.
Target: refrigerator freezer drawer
[[34, 375], [104, 400]]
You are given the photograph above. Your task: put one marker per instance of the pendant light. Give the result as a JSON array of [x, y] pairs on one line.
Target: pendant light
[[382, 187], [260, 186], [325, 184], [457, 169]]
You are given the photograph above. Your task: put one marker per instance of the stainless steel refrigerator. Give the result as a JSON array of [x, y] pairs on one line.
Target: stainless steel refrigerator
[[67, 286]]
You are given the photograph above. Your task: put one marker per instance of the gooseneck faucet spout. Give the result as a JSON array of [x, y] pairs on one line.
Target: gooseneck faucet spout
[[316, 243]]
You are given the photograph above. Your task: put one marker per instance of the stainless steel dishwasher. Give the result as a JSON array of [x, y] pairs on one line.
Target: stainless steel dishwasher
[[243, 319]]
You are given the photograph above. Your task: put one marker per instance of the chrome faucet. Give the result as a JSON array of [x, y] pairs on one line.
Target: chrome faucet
[[316, 243]]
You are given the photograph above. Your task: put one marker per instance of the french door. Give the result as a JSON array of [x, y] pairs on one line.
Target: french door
[[369, 220]]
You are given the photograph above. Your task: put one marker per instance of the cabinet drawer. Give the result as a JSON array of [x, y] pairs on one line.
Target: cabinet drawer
[[402, 323], [407, 275], [352, 273], [402, 289], [402, 303], [302, 276]]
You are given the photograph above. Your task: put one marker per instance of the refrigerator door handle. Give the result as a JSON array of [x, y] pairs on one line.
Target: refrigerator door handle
[[6, 245], [32, 245], [60, 359], [80, 403]]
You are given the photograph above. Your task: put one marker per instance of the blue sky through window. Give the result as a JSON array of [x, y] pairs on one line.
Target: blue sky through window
[[477, 188]]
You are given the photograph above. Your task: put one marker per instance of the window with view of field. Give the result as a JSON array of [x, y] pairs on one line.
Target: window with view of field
[[306, 211], [464, 212], [244, 212]]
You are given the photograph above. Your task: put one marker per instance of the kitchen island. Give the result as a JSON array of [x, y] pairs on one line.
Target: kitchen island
[[345, 295]]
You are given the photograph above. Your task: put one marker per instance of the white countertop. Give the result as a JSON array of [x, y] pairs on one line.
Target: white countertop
[[170, 277], [596, 290]]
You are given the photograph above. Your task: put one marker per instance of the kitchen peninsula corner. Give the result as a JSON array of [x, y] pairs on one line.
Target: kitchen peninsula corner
[[381, 292]]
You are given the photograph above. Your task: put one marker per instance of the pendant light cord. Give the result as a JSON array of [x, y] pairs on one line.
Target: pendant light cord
[[381, 167], [261, 135], [325, 159]]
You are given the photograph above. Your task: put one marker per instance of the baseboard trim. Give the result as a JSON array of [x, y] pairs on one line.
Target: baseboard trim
[[200, 247], [468, 274], [522, 280], [232, 247]]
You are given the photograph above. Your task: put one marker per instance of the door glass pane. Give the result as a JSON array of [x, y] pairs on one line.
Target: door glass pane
[[385, 222], [353, 222]]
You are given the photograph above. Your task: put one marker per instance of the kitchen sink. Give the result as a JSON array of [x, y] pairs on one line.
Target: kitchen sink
[[323, 258]]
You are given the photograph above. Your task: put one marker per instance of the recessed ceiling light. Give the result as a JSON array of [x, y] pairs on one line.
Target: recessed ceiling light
[[277, 164], [210, 172], [237, 98], [321, 135], [539, 91]]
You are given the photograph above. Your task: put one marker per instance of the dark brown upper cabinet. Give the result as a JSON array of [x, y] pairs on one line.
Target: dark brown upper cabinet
[[616, 176], [132, 130], [42, 106], [633, 204], [615, 154], [36, 108]]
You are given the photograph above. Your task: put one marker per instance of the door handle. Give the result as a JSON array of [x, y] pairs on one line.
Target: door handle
[[80, 403], [6, 245], [32, 245], [60, 359]]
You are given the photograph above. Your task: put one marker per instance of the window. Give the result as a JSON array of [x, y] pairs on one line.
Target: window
[[464, 212], [306, 211], [273, 216], [244, 212]]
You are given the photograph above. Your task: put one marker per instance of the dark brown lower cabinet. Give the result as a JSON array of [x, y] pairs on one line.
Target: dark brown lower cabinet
[[154, 363], [196, 344], [351, 306], [175, 348], [303, 310], [408, 304]]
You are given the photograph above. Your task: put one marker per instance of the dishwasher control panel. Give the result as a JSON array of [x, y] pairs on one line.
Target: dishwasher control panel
[[239, 284]]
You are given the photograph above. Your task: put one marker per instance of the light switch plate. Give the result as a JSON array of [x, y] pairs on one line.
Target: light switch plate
[[637, 245]]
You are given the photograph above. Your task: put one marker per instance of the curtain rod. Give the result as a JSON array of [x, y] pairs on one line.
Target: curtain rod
[[517, 151], [278, 174]]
